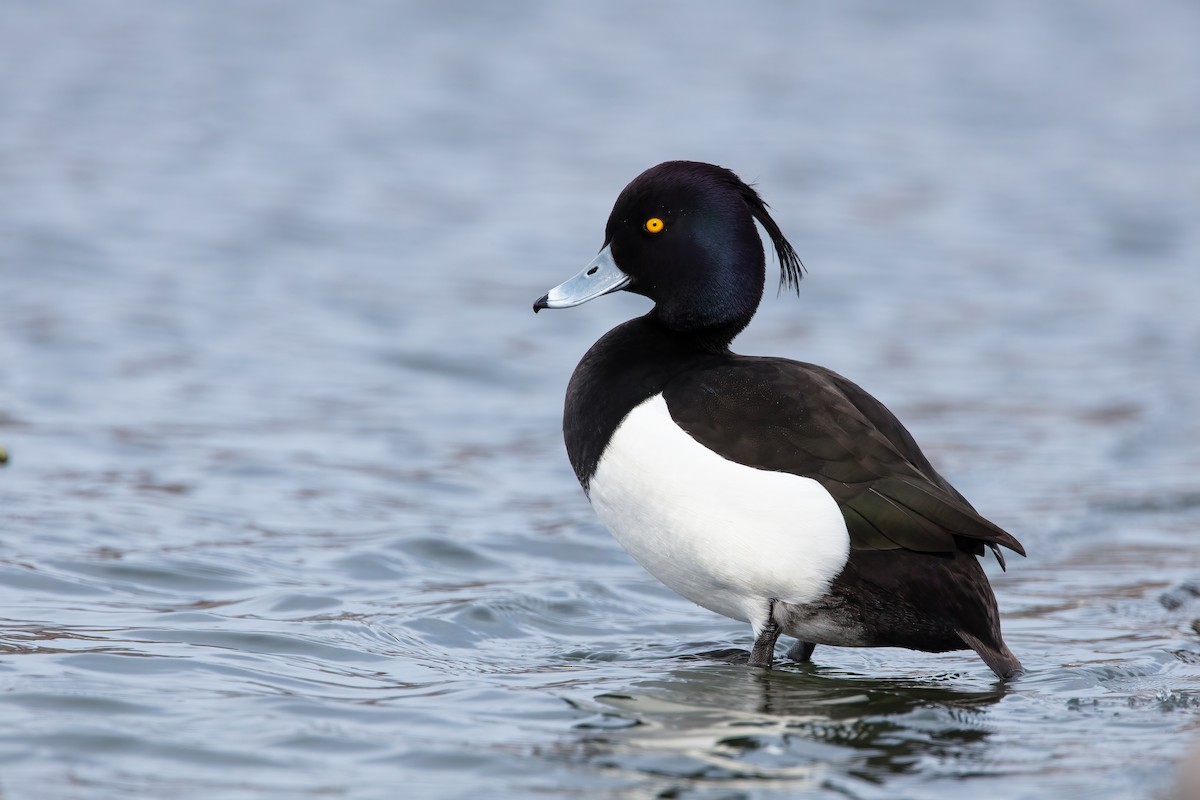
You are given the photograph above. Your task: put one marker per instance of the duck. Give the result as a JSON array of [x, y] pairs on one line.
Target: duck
[[767, 490]]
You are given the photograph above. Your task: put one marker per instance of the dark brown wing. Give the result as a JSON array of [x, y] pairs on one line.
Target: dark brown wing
[[786, 416]]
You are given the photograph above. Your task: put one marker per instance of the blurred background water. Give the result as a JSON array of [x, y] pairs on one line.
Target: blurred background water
[[287, 512]]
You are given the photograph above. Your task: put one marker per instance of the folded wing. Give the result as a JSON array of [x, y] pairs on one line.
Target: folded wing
[[798, 418]]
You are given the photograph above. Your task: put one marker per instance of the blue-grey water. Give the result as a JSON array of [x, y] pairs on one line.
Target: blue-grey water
[[287, 512]]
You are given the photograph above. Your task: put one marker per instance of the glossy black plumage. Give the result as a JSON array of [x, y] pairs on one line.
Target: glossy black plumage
[[912, 578]]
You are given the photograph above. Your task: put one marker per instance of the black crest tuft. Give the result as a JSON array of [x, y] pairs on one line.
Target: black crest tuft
[[791, 269]]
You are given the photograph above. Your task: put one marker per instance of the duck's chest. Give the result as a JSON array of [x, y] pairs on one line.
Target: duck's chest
[[726, 536]]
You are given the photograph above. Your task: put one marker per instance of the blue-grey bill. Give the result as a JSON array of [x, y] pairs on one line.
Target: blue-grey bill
[[599, 277]]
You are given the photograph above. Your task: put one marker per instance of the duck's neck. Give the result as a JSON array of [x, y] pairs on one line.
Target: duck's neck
[[709, 338]]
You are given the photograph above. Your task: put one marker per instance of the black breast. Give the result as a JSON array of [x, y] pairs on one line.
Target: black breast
[[628, 365]]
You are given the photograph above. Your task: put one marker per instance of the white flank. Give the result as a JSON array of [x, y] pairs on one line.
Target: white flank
[[726, 536]]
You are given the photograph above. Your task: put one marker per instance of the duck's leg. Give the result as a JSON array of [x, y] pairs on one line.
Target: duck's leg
[[802, 651], [763, 654]]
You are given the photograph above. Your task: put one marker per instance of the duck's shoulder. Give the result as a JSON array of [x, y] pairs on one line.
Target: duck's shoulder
[[789, 416], [766, 406]]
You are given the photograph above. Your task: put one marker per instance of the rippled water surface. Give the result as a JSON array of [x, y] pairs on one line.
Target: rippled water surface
[[287, 512]]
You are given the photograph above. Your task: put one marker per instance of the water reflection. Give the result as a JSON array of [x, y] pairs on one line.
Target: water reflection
[[801, 726]]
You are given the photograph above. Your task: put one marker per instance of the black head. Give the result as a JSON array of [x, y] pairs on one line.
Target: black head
[[684, 233]]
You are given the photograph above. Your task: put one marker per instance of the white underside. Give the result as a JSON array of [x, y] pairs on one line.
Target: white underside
[[726, 536]]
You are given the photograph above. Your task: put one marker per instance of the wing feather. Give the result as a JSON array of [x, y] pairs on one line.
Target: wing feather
[[787, 416]]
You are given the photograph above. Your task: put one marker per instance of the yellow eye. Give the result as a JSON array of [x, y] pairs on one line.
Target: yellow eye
[[654, 225]]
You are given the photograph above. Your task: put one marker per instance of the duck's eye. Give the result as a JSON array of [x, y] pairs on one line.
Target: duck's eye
[[654, 225]]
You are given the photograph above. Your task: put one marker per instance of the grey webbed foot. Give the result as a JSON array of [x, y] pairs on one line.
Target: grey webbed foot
[[763, 654], [802, 651]]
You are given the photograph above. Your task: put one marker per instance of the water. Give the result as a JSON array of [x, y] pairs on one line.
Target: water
[[287, 512]]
